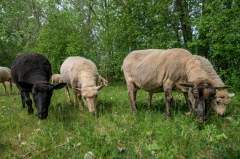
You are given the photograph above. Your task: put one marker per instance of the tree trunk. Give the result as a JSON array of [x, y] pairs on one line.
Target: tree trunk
[[203, 49], [184, 19]]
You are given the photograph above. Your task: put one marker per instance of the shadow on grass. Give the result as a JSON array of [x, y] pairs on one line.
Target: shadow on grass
[[3, 148], [64, 112], [103, 107], [179, 106], [144, 106], [67, 112]]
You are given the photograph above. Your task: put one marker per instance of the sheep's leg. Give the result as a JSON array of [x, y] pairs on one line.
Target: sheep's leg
[[81, 103], [150, 99], [189, 104], [23, 99], [169, 101], [67, 92], [80, 99], [75, 99], [132, 92], [4, 85], [168, 97], [28, 101]]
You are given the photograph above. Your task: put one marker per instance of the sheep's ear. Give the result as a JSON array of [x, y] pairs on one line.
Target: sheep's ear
[[25, 85], [57, 86]]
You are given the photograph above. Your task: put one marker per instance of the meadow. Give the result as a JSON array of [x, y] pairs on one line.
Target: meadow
[[71, 132]]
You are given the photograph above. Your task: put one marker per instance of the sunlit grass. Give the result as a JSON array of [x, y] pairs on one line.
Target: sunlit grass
[[70, 132]]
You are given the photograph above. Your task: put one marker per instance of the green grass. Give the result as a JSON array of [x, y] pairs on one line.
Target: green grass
[[70, 132]]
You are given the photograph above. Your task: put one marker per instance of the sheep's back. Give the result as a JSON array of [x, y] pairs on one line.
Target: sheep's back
[[208, 67], [133, 59], [76, 67], [152, 70], [26, 66]]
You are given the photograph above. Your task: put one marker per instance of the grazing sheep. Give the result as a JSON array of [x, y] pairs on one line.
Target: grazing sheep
[[56, 78], [222, 97], [5, 76], [31, 73], [82, 75], [168, 69]]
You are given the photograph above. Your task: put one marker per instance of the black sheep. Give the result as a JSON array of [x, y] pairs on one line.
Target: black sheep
[[31, 73]]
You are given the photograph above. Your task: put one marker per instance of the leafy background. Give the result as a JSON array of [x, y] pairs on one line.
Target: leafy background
[[106, 30]]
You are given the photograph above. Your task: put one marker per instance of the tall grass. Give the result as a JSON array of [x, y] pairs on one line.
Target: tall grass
[[71, 132]]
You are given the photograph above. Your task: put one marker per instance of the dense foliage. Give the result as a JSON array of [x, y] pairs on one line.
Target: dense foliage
[[106, 30]]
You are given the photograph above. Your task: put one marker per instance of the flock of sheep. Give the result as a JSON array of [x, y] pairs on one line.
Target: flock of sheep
[[153, 70]]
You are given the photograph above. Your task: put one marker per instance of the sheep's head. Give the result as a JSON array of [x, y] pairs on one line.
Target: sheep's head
[[89, 94], [222, 99], [42, 93]]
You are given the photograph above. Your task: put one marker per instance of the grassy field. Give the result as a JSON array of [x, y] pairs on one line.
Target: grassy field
[[70, 132]]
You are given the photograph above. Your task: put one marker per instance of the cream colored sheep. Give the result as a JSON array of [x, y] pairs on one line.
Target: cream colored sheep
[[5, 76], [168, 69], [82, 75], [222, 97]]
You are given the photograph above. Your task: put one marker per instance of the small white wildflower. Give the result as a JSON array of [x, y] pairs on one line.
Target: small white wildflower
[[89, 155]]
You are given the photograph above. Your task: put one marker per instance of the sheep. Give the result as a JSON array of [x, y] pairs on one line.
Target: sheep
[[31, 72], [222, 97], [82, 75], [5, 76], [168, 69]]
